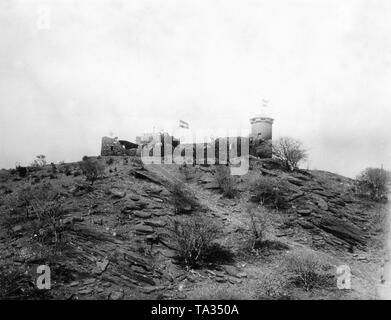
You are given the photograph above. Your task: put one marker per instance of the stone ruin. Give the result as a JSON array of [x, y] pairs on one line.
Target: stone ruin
[[115, 147]]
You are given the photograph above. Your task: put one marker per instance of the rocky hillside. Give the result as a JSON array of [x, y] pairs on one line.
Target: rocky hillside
[[115, 240]]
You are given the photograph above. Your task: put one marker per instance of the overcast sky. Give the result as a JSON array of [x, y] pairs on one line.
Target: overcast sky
[[74, 71]]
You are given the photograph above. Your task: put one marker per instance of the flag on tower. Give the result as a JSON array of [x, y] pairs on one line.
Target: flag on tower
[[183, 124]]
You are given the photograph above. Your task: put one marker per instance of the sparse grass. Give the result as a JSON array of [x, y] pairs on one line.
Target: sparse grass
[[219, 292], [272, 286], [193, 236]]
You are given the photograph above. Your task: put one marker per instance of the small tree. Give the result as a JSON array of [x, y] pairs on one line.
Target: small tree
[[374, 181], [92, 169], [289, 152]]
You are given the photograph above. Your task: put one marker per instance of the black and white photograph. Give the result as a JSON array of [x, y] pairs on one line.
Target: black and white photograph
[[193, 150]]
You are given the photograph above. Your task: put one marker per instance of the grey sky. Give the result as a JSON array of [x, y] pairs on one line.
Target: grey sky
[[126, 66]]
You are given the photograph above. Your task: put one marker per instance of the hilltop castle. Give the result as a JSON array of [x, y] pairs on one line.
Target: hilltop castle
[[259, 141]]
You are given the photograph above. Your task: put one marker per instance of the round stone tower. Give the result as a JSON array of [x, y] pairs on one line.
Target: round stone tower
[[261, 127], [262, 124]]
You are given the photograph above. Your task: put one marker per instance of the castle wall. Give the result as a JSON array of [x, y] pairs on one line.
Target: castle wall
[[113, 147]]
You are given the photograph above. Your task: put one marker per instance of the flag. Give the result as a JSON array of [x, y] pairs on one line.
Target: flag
[[183, 124]]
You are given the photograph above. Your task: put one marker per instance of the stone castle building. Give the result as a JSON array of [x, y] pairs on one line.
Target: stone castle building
[[259, 141]]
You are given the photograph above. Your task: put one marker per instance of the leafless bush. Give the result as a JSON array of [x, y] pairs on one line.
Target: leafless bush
[[268, 191], [262, 149], [307, 271], [109, 161], [193, 236], [40, 204], [53, 168], [67, 169], [225, 181], [183, 199], [375, 182], [22, 171], [92, 169], [185, 171], [18, 205], [258, 224], [290, 152]]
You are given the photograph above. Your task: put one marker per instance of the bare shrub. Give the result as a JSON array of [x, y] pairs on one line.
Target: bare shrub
[[67, 169], [18, 207], [268, 191], [109, 161], [262, 149], [258, 224], [225, 181], [22, 171], [193, 237], [46, 205], [272, 286], [185, 171], [290, 152], [183, 199], [374, 182], [43, 206], [307, 271], [53, 168], [92, 169]]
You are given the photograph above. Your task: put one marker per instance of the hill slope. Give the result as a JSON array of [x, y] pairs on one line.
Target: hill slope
[[116, 242]]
